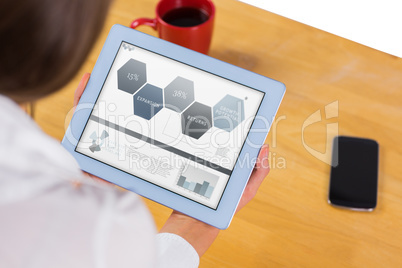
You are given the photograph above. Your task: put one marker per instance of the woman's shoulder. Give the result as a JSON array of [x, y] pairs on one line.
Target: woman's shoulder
[[27, 152]]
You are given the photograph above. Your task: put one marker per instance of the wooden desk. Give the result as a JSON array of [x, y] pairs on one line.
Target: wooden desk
[[289, 223]]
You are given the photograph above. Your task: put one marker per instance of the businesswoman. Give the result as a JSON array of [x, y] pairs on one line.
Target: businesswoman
[[53, 215]]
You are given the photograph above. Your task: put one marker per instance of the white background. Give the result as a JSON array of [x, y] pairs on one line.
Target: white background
[[374, 23]]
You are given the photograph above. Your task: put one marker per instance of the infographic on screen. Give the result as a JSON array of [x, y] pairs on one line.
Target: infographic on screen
[[170, 124]]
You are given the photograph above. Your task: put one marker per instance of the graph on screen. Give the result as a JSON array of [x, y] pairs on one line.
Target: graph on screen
[[197, 181]]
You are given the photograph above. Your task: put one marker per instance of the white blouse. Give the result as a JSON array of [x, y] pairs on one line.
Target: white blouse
[[47, 221]]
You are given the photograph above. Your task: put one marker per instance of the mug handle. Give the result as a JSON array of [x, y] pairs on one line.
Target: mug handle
[[144, 21]]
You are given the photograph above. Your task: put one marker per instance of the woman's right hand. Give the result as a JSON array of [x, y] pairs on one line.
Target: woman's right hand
[[201, 235]]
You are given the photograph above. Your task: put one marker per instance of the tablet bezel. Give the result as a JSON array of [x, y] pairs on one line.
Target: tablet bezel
[[222, 215]]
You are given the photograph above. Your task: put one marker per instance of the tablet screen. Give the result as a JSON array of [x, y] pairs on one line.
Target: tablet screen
[[169, 123]]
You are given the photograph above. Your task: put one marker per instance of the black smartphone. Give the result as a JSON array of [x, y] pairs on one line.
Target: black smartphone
[[354, 173]]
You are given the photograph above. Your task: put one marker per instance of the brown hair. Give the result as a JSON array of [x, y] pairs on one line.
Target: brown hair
[[44, 42]]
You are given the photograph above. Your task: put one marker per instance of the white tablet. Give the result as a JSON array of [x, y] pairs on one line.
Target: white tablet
[[173, 125]]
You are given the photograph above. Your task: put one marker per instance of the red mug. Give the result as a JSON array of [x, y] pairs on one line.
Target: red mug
[[188, 23]]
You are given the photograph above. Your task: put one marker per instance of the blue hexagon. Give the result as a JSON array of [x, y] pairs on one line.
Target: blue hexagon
[[131, 76], [148, 101], [196, 120], [228, 113]]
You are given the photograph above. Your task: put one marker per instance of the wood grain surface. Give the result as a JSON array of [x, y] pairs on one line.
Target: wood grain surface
[[333, 86]]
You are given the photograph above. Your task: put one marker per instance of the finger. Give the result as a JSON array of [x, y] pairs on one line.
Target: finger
[[261, 168], [80, 88], [262, 163], [95, 178], [262, 157], [258, 175]]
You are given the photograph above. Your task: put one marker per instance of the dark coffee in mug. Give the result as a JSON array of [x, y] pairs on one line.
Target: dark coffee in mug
[[188, 23], [185, 16]]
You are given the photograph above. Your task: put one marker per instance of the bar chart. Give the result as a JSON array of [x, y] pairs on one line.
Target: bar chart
[[197, 181]]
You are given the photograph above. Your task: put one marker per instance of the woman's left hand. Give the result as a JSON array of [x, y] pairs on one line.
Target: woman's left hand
[[81, 87]]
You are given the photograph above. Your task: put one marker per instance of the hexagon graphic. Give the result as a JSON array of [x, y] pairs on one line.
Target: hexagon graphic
[[196, 120], [228, 113], [148, 101], [131, 76], [179, 94]]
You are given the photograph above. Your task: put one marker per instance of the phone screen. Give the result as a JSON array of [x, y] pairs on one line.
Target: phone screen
[[354, 173]]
